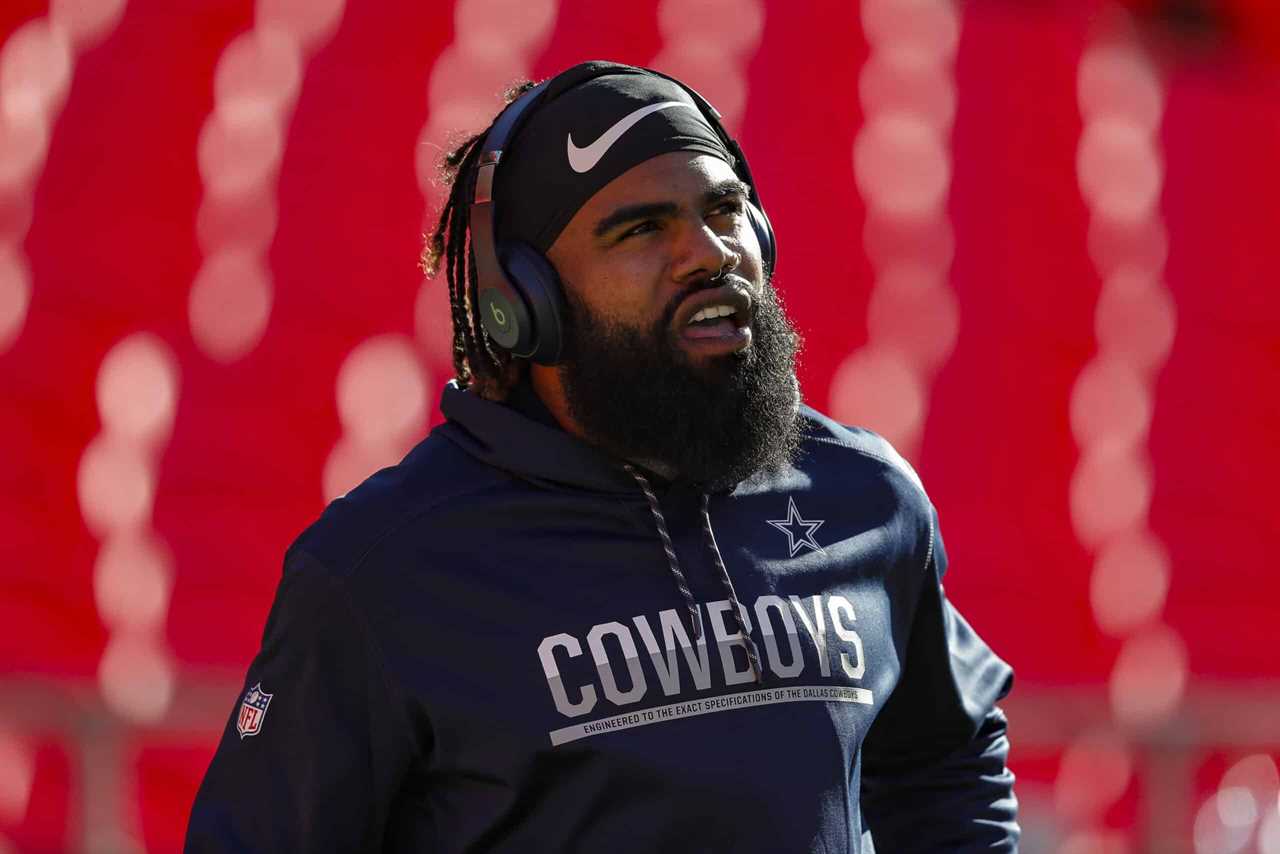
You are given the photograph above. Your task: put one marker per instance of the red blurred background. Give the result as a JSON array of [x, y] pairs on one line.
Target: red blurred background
[[1034, 244]]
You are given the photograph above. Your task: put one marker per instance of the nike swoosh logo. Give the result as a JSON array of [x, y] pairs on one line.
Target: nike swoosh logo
[[583, 159]]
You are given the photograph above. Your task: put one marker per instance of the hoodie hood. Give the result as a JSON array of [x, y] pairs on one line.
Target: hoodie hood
[[502, 437]]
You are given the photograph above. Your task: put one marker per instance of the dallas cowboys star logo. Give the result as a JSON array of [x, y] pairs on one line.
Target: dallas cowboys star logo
[[794, 520]]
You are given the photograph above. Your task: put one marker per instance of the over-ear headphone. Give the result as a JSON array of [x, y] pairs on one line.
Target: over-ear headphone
[[521, 302]]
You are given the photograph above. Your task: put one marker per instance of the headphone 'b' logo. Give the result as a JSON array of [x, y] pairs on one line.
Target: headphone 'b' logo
[[499, 316]]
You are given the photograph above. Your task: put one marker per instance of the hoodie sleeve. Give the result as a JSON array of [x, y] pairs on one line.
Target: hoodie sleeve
[[934, 776], [316, 746]]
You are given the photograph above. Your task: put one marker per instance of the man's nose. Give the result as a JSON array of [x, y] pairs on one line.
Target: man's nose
[[702, 253]]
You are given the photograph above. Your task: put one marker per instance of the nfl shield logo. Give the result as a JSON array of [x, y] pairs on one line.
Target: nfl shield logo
[[252, 711]]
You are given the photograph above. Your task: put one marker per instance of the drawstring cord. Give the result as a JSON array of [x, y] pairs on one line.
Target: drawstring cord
[[695, 622], [753, 653]]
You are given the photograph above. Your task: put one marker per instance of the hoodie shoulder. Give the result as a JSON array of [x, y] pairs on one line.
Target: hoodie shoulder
[[433, 474], [873, 447]]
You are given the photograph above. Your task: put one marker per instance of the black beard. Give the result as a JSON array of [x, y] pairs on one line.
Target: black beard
[[640, 397]]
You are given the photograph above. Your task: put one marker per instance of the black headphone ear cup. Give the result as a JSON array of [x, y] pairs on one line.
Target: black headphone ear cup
[[533, 277], [764, 236], [505, 318]]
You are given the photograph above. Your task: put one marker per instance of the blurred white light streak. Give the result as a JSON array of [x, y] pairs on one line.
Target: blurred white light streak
[[495, 44], [230, 303], [1129, 583], [902, 166], [1121, 175], [708, 45], [1149, 678], [115, 485], [37, 65], [1110, 403], [877, 386], [1120, 171], [17, 774], [918, 28], [914, 310], [137, 389], [1212, 836], [1256, 773], [1269, 830], [132, 580], [1116, 81], [382, 390], [382, 403], [1110, 492], [1095, 771], [15, 294], [85, 22], [239, 151], [136, 677]]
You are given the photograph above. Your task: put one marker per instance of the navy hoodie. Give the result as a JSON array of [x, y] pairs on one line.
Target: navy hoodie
[[490, 648]]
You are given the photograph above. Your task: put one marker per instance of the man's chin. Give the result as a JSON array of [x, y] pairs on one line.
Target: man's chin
[[710, 413]]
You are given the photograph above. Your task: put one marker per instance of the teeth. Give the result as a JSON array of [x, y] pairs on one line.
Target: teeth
[[711, 312]]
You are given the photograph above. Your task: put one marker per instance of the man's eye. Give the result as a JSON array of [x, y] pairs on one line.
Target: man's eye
[[728, 208], [639, 228]]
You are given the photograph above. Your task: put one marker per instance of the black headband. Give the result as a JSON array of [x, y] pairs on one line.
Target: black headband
[[582, 137]]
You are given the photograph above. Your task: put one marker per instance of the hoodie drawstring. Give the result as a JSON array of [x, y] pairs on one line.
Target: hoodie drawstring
[[695, 622], [753, 653]]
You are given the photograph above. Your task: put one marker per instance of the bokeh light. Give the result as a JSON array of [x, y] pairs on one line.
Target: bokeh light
[[137, 389], [1129, 583], [901, 166], [1095, 771], [1116, 81], [501, 26], [17, 773], [921, 28], [902, 82], [1110, 492], [136, 677], [1120, 172], [230, 304], [1135, 320], [85, 22], [1110, 403], [35, 71], [878, 388], [1149, 678], [23, 142], [132, 579], [914, 310], [257, 78], [15, 295], [309, 22], [382, 391], [115, 484]]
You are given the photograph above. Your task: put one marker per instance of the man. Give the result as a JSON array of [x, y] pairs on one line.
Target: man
[[632, 595]]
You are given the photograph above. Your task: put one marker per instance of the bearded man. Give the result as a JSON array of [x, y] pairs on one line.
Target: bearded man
[[632, 595]]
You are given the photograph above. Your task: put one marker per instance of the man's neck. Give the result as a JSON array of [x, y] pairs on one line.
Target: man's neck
[[549, 388]]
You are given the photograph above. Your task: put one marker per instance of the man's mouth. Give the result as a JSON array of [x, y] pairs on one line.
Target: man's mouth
[[715, 321]]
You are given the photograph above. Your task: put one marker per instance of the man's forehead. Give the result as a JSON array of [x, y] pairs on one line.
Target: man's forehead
[[675, 177]]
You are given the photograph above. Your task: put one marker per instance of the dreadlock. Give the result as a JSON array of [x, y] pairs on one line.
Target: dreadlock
[[477, 364]]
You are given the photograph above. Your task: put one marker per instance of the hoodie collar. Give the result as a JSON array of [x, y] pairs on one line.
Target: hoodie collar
[[528, 447]]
